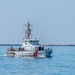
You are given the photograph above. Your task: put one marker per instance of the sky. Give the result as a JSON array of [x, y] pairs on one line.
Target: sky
[[53, 21]]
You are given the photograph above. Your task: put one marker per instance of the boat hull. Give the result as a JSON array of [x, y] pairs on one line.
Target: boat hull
[[30, 53]]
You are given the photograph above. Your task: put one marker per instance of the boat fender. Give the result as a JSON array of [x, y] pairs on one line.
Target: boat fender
[[36, 53]]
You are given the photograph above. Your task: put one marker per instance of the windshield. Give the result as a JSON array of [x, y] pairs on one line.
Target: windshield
[[34, 42]]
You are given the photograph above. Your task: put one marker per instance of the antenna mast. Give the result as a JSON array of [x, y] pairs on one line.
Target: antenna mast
[[28, 30]]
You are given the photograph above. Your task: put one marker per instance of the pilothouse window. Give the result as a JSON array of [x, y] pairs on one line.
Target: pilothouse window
[[34, 42]]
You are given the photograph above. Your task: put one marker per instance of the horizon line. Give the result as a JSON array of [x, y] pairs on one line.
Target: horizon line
[[43, 44]]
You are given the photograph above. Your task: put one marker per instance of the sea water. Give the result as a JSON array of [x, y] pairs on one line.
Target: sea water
[[62, 62]]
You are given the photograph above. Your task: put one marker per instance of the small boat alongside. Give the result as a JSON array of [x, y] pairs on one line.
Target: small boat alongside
[[30, 47]]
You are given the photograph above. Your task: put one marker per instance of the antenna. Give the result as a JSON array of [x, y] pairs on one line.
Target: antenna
[[28, 30]]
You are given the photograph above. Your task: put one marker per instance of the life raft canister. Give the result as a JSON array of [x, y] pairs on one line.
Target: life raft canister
[[36, 53]]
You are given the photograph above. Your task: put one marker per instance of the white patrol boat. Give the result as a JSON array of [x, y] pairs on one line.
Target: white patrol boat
[[30, 47]]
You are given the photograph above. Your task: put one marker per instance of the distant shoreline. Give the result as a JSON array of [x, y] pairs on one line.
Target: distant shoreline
[[43, 45], [10, 44]]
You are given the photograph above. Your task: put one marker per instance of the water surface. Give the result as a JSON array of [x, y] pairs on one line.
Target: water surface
[[62, 62]]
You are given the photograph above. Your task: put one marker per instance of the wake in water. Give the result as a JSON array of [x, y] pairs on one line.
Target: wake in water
[[2, 55], [24, 57]]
